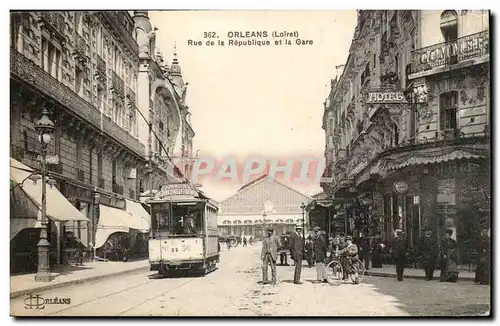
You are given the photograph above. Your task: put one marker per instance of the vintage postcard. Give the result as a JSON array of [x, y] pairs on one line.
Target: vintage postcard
[[250, 163]]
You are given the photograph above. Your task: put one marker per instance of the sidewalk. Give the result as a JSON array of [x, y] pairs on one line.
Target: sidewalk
[[390, 271], [91, 271]]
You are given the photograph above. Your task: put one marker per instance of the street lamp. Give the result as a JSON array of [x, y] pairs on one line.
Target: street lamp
[[303, 206], [45, 128]]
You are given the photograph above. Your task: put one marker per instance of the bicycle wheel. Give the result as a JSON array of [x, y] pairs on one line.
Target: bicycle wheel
[[334, 272], [357, 266]]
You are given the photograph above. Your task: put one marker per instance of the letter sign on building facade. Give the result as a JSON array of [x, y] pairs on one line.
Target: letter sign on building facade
[[386, 97]]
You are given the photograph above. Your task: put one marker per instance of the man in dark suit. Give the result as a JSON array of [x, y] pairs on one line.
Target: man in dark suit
[[399, 249], [296, 252], [269, 255], [320, 249]]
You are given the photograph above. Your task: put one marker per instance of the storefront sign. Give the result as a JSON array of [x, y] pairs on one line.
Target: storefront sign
[[401, 187], [382, 97], [467, 47], [180, 189]]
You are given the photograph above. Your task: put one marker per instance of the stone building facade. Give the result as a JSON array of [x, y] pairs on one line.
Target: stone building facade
[[401, 155], [89, 69]]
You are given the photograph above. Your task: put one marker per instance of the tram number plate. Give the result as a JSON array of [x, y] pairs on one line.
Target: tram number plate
[[185, 248]]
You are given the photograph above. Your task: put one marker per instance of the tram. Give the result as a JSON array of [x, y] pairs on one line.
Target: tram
[[183, 230]]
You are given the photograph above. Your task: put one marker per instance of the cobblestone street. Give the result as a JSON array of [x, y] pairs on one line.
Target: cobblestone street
[[233, 290]]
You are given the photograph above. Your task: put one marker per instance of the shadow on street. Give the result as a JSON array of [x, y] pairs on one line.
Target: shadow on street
[[434, 298]]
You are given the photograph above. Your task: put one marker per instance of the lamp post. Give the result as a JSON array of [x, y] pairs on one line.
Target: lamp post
[[44, 127], [303, 206], [264, 215]]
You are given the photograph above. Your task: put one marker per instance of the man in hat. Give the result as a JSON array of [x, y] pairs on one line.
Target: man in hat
[[269, 255], [296, 252], [427, 250], [483, 259], [320, 249], [350, 253], [449, 257], [399, 249]]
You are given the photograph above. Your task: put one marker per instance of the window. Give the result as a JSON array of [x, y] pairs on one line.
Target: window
[[449, 25], [99, 166], [448, 103]]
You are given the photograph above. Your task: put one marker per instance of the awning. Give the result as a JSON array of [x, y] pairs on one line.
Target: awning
[[111, 220], [58, 207], [139, 219], [422, 158]]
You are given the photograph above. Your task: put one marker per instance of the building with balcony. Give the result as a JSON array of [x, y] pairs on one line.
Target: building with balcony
[[406, 126], [86, 69]]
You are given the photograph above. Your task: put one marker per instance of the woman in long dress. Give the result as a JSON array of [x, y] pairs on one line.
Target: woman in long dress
[[449, 258], [376, 251]]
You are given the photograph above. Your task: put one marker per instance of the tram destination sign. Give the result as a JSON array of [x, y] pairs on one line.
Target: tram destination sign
[[386, 97], [178, 189]]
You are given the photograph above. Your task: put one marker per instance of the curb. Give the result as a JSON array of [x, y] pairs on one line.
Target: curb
[[73, 282], [418, 277]]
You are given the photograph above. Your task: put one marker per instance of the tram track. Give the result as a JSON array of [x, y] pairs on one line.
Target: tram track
[[184, 282]]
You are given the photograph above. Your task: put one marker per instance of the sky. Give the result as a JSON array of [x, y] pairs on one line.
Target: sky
[[265, 100]]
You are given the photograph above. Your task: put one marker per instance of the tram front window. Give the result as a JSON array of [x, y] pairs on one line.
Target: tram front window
[[175, 219]]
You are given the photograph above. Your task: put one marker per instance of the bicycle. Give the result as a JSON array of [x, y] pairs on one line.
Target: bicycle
[[356, 266], [334, 271]]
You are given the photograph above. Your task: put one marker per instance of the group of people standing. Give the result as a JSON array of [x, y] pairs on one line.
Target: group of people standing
[[445, 257], [431, 254], [317, 250]]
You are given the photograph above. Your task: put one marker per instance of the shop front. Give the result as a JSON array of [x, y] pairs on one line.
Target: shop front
[[25, 220], [122, 228]]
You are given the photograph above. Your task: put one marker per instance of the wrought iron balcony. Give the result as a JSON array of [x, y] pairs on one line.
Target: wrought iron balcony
[[118, 85], [131, 95], [80, 51], [114, 21], [54, 20], [117, 189], [21, 68], [101, 70], [451, 52]]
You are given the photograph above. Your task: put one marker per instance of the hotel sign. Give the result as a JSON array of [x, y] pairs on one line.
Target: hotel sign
[[386, 97]]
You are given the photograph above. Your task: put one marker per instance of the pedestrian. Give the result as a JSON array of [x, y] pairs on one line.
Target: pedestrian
[[296, 252], [483, 259], [399, 250], [377, 247], [448, 257], [427, 252], [228, 243], [244, 241], [309, 251], [364, 251], [283, 249], [269, 255], [320, 249], [342, 244], [250, 240]]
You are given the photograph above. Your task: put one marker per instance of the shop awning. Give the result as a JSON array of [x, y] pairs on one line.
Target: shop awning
[[58, 207], [421, 158], [111, 220], [139, 219]]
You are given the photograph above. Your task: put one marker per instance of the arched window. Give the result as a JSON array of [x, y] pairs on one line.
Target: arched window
[[449, 25]]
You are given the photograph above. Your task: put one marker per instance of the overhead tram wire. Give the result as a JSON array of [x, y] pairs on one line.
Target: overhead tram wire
[[183, 177]]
